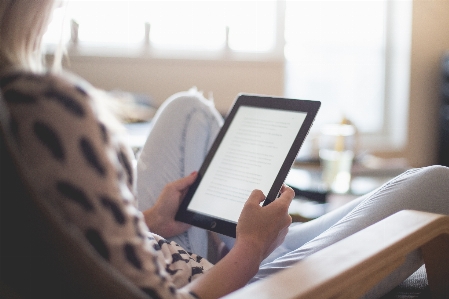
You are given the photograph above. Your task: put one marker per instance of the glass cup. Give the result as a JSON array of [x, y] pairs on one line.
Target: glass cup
[[336, 151]]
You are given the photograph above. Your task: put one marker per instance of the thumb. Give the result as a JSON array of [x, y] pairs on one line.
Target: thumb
[[287, 193]]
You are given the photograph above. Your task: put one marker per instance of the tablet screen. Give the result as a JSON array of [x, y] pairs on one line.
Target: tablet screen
[[249, 157]]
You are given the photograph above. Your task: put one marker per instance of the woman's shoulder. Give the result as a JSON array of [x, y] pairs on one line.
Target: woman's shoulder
[[48, 83], [39, 93]]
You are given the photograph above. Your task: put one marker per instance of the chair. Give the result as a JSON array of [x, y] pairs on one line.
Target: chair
[[44, 257], [349, 268]]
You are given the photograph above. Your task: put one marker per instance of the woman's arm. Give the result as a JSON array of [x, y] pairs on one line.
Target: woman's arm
[[229, 274], [259, 231]]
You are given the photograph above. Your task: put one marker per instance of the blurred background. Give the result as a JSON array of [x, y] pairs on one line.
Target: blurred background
[[377, 65]]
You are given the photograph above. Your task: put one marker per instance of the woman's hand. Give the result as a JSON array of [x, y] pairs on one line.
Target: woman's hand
[[265, 227], [161, 217], [259, 231]]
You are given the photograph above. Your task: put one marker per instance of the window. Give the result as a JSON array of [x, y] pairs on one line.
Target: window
[[336, 53], [351, 55], [248, 26]]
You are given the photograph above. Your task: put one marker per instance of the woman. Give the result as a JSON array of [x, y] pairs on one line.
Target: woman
[[78, 162]]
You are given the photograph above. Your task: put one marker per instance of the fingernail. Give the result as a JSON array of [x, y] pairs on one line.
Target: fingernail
[[194, 172]]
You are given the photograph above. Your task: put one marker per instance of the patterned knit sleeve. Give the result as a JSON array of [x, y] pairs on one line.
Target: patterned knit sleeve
[[84, 169]]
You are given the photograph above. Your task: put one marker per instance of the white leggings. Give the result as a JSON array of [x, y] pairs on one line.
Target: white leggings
[[184, 129]]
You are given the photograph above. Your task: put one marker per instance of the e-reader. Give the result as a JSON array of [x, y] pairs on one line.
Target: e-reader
[[254, 149]]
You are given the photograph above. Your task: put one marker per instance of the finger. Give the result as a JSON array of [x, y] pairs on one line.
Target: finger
[[288, 189], [256, 197], [185, 182], [287, 195]]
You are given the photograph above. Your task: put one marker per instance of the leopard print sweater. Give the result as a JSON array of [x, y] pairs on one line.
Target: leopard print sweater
[[82, 166]]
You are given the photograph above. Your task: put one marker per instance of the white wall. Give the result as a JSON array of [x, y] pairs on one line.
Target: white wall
[[161, 78]]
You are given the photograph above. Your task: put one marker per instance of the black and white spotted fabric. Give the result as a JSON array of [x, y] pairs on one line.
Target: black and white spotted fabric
[[84, 169]]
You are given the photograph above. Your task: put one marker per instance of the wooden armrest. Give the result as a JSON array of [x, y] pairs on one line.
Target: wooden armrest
[[352, 266]]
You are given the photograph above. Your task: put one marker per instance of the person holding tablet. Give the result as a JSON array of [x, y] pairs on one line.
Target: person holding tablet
[[423, 189], [58, 125], [74, 157]]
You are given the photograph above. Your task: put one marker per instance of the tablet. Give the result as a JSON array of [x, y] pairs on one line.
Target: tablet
[[255, 149]]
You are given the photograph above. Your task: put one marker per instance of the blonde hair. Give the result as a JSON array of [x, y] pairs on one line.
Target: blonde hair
[[22, 25]]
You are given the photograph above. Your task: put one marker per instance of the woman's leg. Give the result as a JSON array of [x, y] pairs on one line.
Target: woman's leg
[[424, 189], [183, 130], [301, 233]]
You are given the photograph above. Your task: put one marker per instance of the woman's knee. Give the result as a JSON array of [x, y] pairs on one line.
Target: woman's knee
[[437, 171], [432, 174], [426, 189], [190, 101], [183, 110]]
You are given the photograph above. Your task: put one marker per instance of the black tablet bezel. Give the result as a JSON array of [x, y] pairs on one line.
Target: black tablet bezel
[[227, 227]]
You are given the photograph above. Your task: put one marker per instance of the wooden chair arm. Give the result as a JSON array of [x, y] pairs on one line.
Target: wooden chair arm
[[351, 267]]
